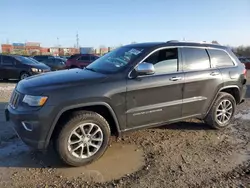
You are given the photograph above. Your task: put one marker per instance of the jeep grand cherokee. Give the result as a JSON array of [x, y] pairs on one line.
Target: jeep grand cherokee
[[133, 87]]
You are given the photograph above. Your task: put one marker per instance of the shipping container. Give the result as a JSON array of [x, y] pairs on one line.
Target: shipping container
[[32, 44], [86, 50], [18, 44]]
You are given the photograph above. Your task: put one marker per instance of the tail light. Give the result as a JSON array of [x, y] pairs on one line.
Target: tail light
[[68, 63], [245, 72]]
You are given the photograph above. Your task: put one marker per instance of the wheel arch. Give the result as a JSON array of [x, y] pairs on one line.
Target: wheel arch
[[86, 106], [23, 71], [234, 90]]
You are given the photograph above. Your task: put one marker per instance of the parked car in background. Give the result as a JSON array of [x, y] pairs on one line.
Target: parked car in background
[[34, 60], [80, 60], [41, 58], [246, 61], [19, 67], [55, 63], [64, 57]]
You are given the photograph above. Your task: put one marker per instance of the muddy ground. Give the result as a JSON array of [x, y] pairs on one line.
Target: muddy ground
[[185, 154]]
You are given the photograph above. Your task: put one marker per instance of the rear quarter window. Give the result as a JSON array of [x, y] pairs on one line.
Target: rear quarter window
[[220, 58], [7, 60]]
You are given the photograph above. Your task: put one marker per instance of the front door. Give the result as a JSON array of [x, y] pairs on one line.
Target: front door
[[202, 81], [156, 98]]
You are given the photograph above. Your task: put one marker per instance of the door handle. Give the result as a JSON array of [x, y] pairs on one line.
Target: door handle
[[214, 73], [175, 78]]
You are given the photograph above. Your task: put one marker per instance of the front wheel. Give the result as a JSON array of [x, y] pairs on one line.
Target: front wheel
[[24, 75], [83, 139], [222, 112]]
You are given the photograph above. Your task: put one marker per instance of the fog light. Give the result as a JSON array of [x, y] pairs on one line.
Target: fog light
[[27, 126]]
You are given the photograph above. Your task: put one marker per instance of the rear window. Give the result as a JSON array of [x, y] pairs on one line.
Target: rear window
[[7, 60], [74, 56], [84, 58], [26, 60], [220, 58]]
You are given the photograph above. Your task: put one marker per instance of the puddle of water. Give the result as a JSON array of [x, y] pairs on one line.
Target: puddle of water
[[245, 115], [118, 161]]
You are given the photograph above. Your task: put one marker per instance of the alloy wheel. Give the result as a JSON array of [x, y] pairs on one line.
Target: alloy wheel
[[24, 75], [224, 111], [85, 140]]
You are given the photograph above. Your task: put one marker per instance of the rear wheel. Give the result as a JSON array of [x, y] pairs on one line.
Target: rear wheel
[[83, 139], [222, 112]]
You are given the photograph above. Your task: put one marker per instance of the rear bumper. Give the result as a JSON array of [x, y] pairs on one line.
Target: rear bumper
[[243, 94]]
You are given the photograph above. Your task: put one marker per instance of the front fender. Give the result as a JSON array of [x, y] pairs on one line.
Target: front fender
[[75, 106]]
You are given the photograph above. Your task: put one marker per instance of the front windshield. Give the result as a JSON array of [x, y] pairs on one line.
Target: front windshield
[[115, 60], [26, 60]]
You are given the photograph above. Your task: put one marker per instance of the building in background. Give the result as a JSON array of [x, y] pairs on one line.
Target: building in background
[[7, 48], [44, 51], [19, 48], [87, 50], [54, 51], [33, 48], [104, 50]]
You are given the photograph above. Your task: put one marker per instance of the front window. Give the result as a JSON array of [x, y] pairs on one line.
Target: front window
[[116, 60], [26, 60]]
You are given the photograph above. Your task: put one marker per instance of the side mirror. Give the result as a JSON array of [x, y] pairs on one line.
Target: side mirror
[[145, 69]]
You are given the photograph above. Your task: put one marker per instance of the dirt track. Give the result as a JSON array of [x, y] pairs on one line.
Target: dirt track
[[187, 154]]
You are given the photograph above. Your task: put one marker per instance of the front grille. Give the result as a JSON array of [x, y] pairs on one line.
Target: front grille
[[14, 100]]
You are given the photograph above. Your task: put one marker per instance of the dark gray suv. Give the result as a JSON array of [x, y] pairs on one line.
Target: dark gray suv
[[132, 87]]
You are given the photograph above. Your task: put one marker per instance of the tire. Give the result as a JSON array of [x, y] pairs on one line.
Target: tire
[[24, 75], [214, 117], [67, 133]]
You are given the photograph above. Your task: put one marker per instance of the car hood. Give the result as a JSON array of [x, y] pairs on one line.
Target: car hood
[[40, 66], [59, 79]]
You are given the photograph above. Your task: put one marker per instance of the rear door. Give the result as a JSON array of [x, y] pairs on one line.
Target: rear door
[[50, 62], [222, 60], [2, 72], [9, 67], [201, 81], [59, 63]]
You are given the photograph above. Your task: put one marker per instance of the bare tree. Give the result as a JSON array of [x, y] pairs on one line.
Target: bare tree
[[215, 42]]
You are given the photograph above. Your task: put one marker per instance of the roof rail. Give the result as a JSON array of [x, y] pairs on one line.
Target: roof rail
[[184, 41]]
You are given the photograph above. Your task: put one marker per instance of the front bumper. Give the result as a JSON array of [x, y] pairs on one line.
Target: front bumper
[[32, 127]]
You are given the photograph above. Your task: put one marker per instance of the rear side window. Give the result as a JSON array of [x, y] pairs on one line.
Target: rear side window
[[195, 59], [84, 58], [6, 60], [73, 56], [93, 58], [220, 58]]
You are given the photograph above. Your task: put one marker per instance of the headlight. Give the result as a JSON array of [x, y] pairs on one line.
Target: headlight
[[35, 100], [36, 70]]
